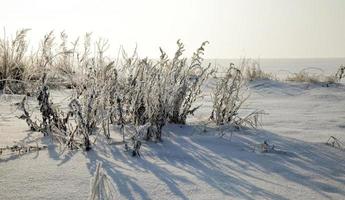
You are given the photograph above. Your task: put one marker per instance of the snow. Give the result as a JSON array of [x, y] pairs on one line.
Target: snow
[[193, 161]]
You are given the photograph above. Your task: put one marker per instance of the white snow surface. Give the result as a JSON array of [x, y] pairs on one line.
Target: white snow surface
[[193, 162]]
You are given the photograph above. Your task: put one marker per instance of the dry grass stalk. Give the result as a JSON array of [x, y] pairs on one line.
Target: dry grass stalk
[[101, 186], [12, 62], [336, 143], [305, 76], [228, 98], [252, 70]]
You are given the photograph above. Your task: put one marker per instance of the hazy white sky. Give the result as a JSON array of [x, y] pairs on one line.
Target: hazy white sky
[[235, 28]]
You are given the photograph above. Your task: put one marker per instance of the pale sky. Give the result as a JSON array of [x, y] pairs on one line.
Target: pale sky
[[235, 28]]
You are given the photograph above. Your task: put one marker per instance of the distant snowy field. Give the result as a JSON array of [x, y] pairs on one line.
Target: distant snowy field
[[193, 162], [282, 67]]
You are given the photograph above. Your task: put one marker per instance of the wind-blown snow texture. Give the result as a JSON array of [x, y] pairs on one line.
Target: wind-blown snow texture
[[193, 162]]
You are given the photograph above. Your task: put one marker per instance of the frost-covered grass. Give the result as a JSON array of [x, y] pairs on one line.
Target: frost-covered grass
[[309, 76], [252, 70], [13, 69], [128, 90]]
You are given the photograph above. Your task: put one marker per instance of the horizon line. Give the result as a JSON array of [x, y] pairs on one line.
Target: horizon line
[[272, 58]]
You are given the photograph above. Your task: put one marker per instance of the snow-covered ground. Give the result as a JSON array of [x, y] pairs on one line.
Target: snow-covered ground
[[193, 162]]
